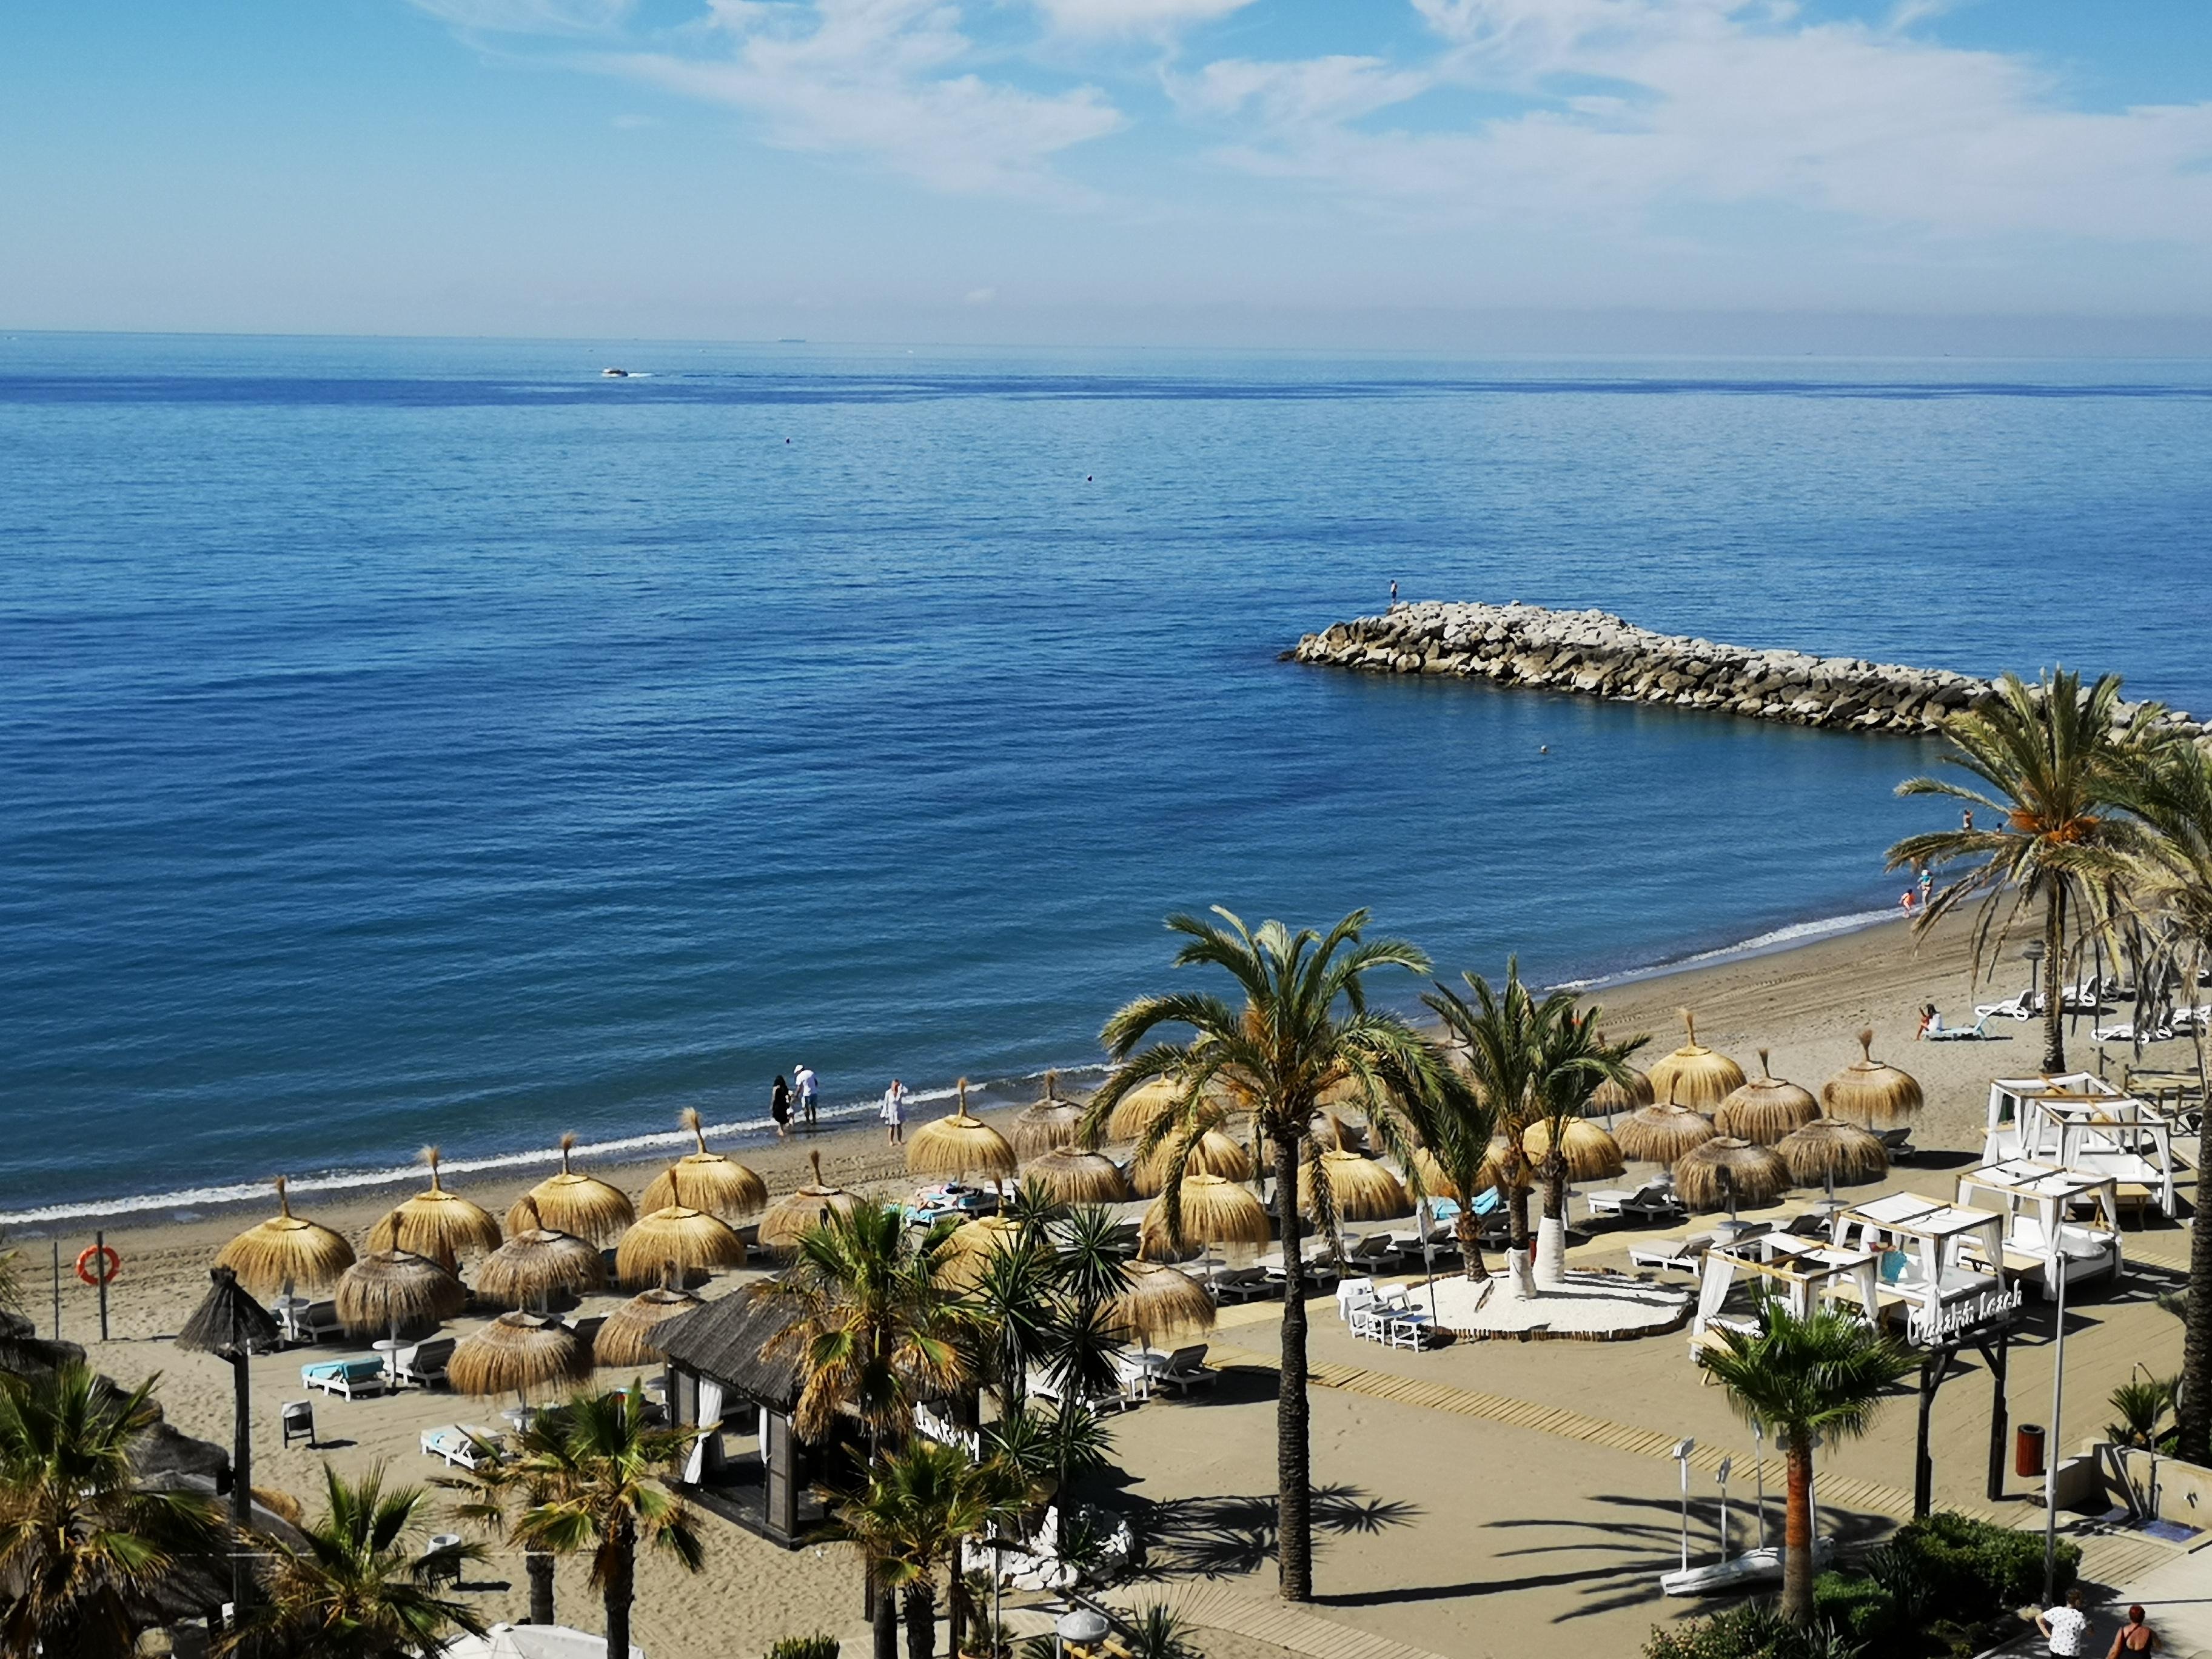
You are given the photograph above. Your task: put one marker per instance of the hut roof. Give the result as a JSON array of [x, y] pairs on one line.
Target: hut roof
[[724, 1339], [228, 1321]]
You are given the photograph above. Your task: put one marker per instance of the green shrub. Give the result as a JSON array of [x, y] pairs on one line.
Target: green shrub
[[1975, 1570], [1753, 1631], [817, 1646], [1862, 1608]]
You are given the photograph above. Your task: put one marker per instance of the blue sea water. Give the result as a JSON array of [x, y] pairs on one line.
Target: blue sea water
[[435, 740]]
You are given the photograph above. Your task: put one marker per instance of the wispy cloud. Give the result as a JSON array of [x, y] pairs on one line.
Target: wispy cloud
[[1138, 17], [573, 17]]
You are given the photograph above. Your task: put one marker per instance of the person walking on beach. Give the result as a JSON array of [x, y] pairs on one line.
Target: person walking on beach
[[803, 1082], [2134, 1636], [1927, 884], [1905, 901], [894, 1112], [778, 1107], [2066, 1628]]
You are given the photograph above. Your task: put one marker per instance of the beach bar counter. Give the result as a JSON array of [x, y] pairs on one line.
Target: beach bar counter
[[753, 1470]]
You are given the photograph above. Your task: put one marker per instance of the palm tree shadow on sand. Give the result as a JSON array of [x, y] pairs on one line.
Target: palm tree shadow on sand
[[1641, 1543], [1225, 1536]]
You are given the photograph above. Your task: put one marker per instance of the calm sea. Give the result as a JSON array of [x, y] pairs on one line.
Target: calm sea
[[413, 741]]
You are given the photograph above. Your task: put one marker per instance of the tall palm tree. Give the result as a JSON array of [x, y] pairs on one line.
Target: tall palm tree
[[1301, 1025], [2173, 885], [2047, 762], [363, 1586], [495, 1492], [82, 1545], [921, 1502], [598, 1465], [1824, 1376], [1499, 1038]]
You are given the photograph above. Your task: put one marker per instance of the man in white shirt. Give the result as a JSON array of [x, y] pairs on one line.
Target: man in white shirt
[[2067, 1628], [804, 1086]]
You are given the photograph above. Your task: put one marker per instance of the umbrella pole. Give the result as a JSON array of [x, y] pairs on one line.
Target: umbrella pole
[[241, 1478]]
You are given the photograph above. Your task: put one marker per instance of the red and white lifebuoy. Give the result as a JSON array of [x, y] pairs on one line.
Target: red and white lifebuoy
[[98, 1265]]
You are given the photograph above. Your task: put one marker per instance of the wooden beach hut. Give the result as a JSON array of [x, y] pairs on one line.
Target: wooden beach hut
[[754, 1470]]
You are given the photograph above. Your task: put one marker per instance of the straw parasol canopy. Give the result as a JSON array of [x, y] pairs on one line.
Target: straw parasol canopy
[[706, 1181], [436, 1224], [1661, 1133], [566, 1202], [1068, 1175], [1215, 1210], [1693, 1074], [515, 1354], [273, 1256], [227, 1321], [530, 1266], [690, 1239], [390, 1290], [1724, 1171], [1591, 1153], [1360, 1188], [959, 1145], [1610, 1096], [1213, 1153], [972, 1245], [1831, 1149], [626, 1339], [798, 1213], [1870, 1092], [1765, 1108], [1142, 1107], [1493, 1172], [1046, 1123], [1159, 1301], [1434, 1182]]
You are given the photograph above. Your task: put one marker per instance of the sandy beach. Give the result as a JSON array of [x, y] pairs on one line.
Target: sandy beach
[[1451, 1523]]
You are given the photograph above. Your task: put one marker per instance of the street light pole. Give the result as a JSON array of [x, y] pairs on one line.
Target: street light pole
[[1683, 1451], [2050, 1442]]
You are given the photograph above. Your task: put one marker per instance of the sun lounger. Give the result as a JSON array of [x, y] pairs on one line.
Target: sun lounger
[[2125, 1032], [315, 1322], [1655, 1200], [2026, 1005], [1241, 1284], [1185, 1370], [348, 1377], [424, 1365], [1937, 1031], [1685, 1255], [1896, 1144], [461, 1445], [1376, 1250]]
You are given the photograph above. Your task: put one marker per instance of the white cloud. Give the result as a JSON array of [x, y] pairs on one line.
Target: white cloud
[[527, 16], [1147, 17], [982, 296]]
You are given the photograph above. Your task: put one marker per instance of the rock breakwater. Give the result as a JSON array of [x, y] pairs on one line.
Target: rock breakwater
[[1594, 654]]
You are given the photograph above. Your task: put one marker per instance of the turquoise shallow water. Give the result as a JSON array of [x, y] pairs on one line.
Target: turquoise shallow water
[[434, 740]]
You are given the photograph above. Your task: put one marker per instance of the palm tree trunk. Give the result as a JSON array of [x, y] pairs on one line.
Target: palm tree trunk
[[539, 1565], [1467, 1229], [2192, 1412], [621, 1589], [1516, 1235], [1551, 1237], [955, 1602], [1293, 1445], [2054, 946], [1797, 1529], [920, 1620]]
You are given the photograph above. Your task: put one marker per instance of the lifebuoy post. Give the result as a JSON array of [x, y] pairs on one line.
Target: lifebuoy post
[[96, 1268], [99, 1243]]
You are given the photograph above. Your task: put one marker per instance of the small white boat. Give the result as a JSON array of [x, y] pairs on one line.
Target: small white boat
[[615, 373], [1752, 1567]]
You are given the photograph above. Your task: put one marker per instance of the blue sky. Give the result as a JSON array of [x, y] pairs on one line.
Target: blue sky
[[1300, 172]]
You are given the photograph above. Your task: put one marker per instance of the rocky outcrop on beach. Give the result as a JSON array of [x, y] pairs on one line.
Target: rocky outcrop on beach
[[1593, 654]]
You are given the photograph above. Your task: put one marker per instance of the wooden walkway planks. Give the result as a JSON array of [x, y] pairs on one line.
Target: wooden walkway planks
[[1222, 1607]]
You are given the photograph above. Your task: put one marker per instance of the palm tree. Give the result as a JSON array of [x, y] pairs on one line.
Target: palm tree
[[2173, 883], [918, 1505], [1011, 1309], [597, 1465], [495, 1492], [1453, 1124], [2048, 761], [1302, 1026], [1573, 1060], [82, 1545], [1824, 1376], [1500, 1037], [362, 1588]]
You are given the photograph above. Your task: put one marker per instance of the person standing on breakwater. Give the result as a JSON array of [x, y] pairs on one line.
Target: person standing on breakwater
[[778, 1107], [1394, 590], [803, 1080], [894, 1111]]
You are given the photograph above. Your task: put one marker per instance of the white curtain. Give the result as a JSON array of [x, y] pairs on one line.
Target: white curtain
[[709, 1418], [1713, 1287]]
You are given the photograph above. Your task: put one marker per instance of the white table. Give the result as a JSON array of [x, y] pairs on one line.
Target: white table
[[391, 1348]]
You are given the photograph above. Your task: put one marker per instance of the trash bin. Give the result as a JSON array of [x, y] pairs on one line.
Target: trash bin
[[2028, 1450]]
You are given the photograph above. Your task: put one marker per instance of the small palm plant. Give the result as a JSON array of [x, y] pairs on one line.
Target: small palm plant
[[919, 1504], [1821, 1376], [364, 1585], [494, 1494], [2143, 1402]]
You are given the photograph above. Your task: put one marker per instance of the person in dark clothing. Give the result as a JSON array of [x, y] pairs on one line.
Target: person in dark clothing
[[779, 1106]]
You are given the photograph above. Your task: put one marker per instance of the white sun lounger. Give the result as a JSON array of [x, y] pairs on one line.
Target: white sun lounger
[[462, 1445]]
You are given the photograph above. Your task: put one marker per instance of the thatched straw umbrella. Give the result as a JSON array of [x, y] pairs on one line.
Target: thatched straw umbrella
[[528, 1269], [1869, 1091], [1215, 1210], [1765, 1108], [690, 1241], [627, 1337], [1493, 1172], [957, 1145], [436, 1224], [231, 1325], [1213, 1153], [1661, 1133], [1591, 1153], [1359, 1188], [1046, 1123], [273, 1257], [1610, 1097], [706, 1181], [1067, 1174], [1694, 1075], [1831, 1149], [1142, 1107], [1724, 1172], [972, 1245], [388, 1291], [795, 1214], [566, 1202], [1161, 1301], [515, 1354]]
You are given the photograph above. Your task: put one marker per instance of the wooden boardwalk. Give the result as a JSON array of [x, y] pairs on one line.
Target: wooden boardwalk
[[1223, 1606]]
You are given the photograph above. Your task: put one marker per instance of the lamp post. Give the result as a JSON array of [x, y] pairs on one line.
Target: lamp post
[[2051, 1443], [1682, 1455], [1759, 1473], [1727, 1463]]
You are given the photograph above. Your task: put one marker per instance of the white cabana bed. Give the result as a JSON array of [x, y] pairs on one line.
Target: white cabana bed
[[1937, 1260], [2096, 1130], [2035, 1199], [1803, 1274]]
